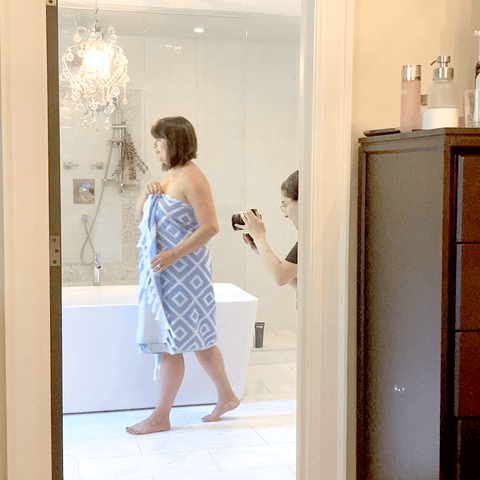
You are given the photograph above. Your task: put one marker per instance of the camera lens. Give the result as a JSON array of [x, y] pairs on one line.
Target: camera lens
[[238, 220]]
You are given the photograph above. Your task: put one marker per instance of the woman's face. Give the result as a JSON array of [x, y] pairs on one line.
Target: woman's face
[[290, 210], [160, 147]]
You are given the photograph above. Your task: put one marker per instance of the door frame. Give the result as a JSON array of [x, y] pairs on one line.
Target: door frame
[[326, 406], [326, 366]]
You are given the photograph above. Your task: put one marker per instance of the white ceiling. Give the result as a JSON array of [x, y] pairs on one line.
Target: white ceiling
[[269, 7], [232, 26]]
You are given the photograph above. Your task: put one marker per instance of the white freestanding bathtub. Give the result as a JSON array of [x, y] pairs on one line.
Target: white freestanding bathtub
[[102, 369]]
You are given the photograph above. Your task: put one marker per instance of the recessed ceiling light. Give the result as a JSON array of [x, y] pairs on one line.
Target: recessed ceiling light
[[199, 30], [169, 46]]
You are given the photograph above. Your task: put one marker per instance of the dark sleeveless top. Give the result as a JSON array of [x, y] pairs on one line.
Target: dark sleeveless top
[[292, 256]]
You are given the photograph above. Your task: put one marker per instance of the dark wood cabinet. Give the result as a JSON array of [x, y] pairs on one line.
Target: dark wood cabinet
[[418, 368]]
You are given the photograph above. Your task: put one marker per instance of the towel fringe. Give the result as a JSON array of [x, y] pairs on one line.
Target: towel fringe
[[156, 371]]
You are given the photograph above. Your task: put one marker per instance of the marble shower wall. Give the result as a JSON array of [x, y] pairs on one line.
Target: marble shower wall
[[115, 233]]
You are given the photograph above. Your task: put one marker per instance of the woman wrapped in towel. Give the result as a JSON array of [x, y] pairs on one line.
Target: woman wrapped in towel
[[177, 310]]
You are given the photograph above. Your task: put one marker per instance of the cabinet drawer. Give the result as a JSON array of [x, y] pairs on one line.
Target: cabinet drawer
[[467, 299], [467, 374], [468, 199], [468, 442]]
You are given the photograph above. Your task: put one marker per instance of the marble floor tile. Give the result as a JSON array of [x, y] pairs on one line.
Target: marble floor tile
[[205, 439], [277, 435], [293, 367], [281, 385], [271, 408], [270, 372], [94, 448], [92, 418], [254, 457], [141, 413], [70, 471], [264, 357], [105, 430], [148, 466], [269, 397], [255, 387], [66, 433], [254, 441], [113, 429], [177, 421], [267, 473], [255, 420]]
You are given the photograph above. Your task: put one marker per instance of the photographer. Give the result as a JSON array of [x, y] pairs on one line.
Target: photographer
[[283, 271]]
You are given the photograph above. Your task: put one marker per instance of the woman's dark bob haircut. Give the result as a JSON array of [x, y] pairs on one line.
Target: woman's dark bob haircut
[[180, 137], [290, 186]]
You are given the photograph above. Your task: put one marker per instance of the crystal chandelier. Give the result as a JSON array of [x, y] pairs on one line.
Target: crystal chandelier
[[97, 71]]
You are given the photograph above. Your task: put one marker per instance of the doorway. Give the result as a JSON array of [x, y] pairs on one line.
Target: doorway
[[238, 82], [27, 370]]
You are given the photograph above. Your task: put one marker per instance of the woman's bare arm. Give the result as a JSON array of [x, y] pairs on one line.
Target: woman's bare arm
[[198, 194], [152, 187]]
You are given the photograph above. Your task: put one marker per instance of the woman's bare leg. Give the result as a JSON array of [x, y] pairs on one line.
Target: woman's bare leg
[[212, 362], [172, 370]]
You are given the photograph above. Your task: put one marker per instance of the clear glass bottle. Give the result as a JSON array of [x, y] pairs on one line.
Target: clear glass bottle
[[410, 117]]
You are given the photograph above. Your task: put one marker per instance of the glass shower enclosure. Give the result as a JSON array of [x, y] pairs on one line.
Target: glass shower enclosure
[[236, 78]]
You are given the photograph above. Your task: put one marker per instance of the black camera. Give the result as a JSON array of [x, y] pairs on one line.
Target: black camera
[[238, 220]]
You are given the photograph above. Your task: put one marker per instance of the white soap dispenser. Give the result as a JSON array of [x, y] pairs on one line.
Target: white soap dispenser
[[442, 111]]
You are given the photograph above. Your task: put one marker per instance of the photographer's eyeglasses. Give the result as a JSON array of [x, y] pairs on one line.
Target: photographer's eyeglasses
[[284, 205]]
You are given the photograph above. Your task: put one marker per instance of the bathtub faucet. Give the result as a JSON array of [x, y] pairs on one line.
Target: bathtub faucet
[[96, 271]]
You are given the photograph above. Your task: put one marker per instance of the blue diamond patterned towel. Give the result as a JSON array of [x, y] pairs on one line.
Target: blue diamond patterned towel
[[177, 309]]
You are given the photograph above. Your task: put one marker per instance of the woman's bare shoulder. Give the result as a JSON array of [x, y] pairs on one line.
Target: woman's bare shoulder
[[194, 175]]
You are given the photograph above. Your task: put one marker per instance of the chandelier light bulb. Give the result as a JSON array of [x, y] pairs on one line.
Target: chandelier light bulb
[[97, 62], [97, 72]]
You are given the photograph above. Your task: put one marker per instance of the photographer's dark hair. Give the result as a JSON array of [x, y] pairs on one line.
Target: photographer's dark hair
[[181, 140], [290, 186]]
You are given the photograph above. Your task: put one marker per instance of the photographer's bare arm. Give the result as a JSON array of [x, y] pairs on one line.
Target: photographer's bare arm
[[283, 272]]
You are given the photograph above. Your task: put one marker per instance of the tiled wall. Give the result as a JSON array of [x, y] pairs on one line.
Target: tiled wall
[[242, 98]]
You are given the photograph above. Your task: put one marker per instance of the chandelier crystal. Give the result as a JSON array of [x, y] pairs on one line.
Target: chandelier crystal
[[97, 71]]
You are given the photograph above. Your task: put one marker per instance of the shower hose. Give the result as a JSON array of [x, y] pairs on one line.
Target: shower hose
[[88, 230]]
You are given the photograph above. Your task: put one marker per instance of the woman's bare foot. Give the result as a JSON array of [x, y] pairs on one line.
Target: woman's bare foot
[[149, 425], [221, 408]]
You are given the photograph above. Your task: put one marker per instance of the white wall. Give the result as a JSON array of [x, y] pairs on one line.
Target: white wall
[[273, 152], [243, 101], [388, 35], [242, 98]]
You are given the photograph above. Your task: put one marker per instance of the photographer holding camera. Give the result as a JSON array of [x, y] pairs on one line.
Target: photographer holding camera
[[283, 271]]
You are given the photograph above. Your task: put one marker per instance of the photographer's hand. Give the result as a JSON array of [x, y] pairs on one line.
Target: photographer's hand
[[250, 242], [283, 272], [254, 224]]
